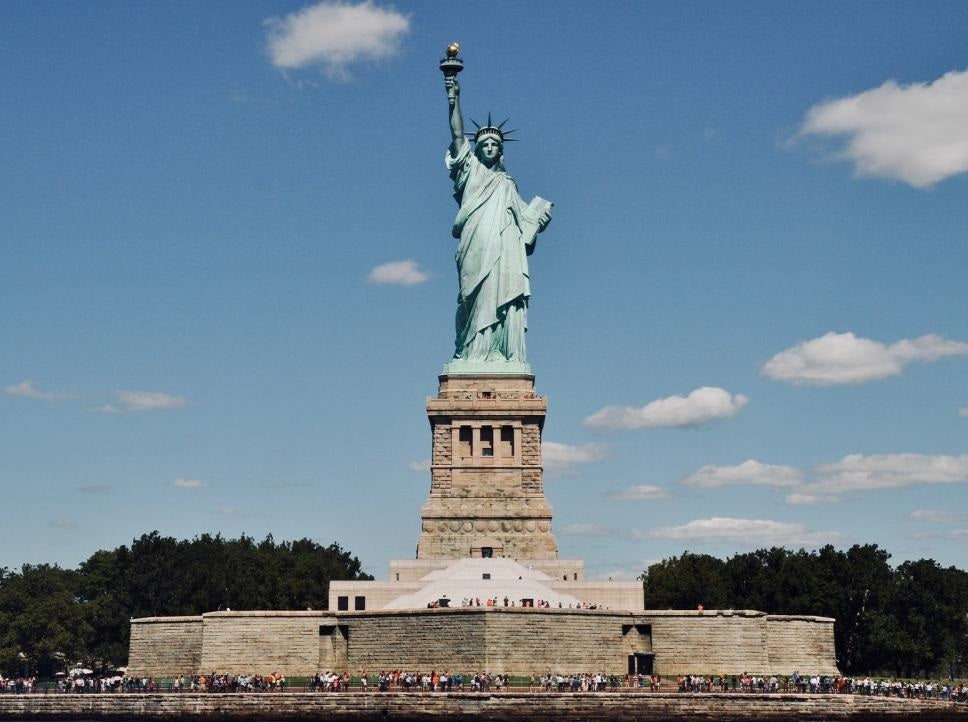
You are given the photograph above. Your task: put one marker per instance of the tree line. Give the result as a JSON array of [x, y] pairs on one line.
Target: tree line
[[52, 617], [909, 621]]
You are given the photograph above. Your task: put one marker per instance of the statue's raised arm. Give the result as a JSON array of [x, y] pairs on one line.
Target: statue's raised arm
[[456, 119]]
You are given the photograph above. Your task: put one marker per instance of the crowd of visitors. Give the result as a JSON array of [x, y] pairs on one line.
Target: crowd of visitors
[[507, 602], [19, 685], [409, 681], [823, 684]]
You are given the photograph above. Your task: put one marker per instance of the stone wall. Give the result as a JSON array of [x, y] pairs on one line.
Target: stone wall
[[509, 707], [524, 642], [795, 643], [162, 645], [433, 639], [262, 642], [515, 640], [708, 643], [486, 488], [734, 641]]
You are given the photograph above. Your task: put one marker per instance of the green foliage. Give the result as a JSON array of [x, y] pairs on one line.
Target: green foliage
[[910, 621], [51, 617], [42, 623]]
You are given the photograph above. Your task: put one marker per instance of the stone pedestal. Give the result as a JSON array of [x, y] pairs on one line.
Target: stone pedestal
[[486, 491]]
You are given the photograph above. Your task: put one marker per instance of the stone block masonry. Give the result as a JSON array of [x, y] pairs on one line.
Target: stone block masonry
[[514, 640], [508, 707], [163, 644], [285, 642], [486, 493]]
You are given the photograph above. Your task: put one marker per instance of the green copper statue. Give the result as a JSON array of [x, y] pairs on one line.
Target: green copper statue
[[497, 231]]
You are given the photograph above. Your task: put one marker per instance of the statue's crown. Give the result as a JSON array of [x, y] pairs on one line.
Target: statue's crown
[[489, 130]]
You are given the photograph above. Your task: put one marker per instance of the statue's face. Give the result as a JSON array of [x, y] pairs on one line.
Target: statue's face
[[489, 151]]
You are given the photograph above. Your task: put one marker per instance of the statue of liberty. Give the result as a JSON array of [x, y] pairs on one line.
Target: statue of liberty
[[497, 231]]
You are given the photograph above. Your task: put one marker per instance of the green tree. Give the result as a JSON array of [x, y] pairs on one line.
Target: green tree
[[43, 625], [50, 616], [930, 605], [858, 585], [910, 620], [105, 599], [687, 581]]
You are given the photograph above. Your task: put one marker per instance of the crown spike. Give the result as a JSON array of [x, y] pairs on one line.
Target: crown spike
[[491, 130]]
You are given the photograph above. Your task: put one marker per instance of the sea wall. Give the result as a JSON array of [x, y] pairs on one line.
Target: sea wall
[[507, 707], [163, 644], [513, 640], [797, 643], [517, 641], [710, 643], [284, 642]]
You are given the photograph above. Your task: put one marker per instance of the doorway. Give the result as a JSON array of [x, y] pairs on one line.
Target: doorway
[[642, 663]]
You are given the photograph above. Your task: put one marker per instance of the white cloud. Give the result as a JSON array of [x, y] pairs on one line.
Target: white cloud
[[146, 401], [585, 530], [188, 484], [939, 517], [860, 473], [419, 465], [699, 407], [400, 273], [963, 412], [750, 472], [747, 531], [857, 472], [108, 409], [27, 390], [801, 498], [827, 483], [560, 457], [915, 133], [843, 358], [640, 492], [334, 35]]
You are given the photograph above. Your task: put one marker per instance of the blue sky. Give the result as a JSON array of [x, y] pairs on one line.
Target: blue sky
[[228, 285]]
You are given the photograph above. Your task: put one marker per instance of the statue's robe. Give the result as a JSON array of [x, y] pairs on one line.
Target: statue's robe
[[497, 232]]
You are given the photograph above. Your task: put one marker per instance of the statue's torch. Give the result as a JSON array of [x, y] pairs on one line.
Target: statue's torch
[[450, 66]]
